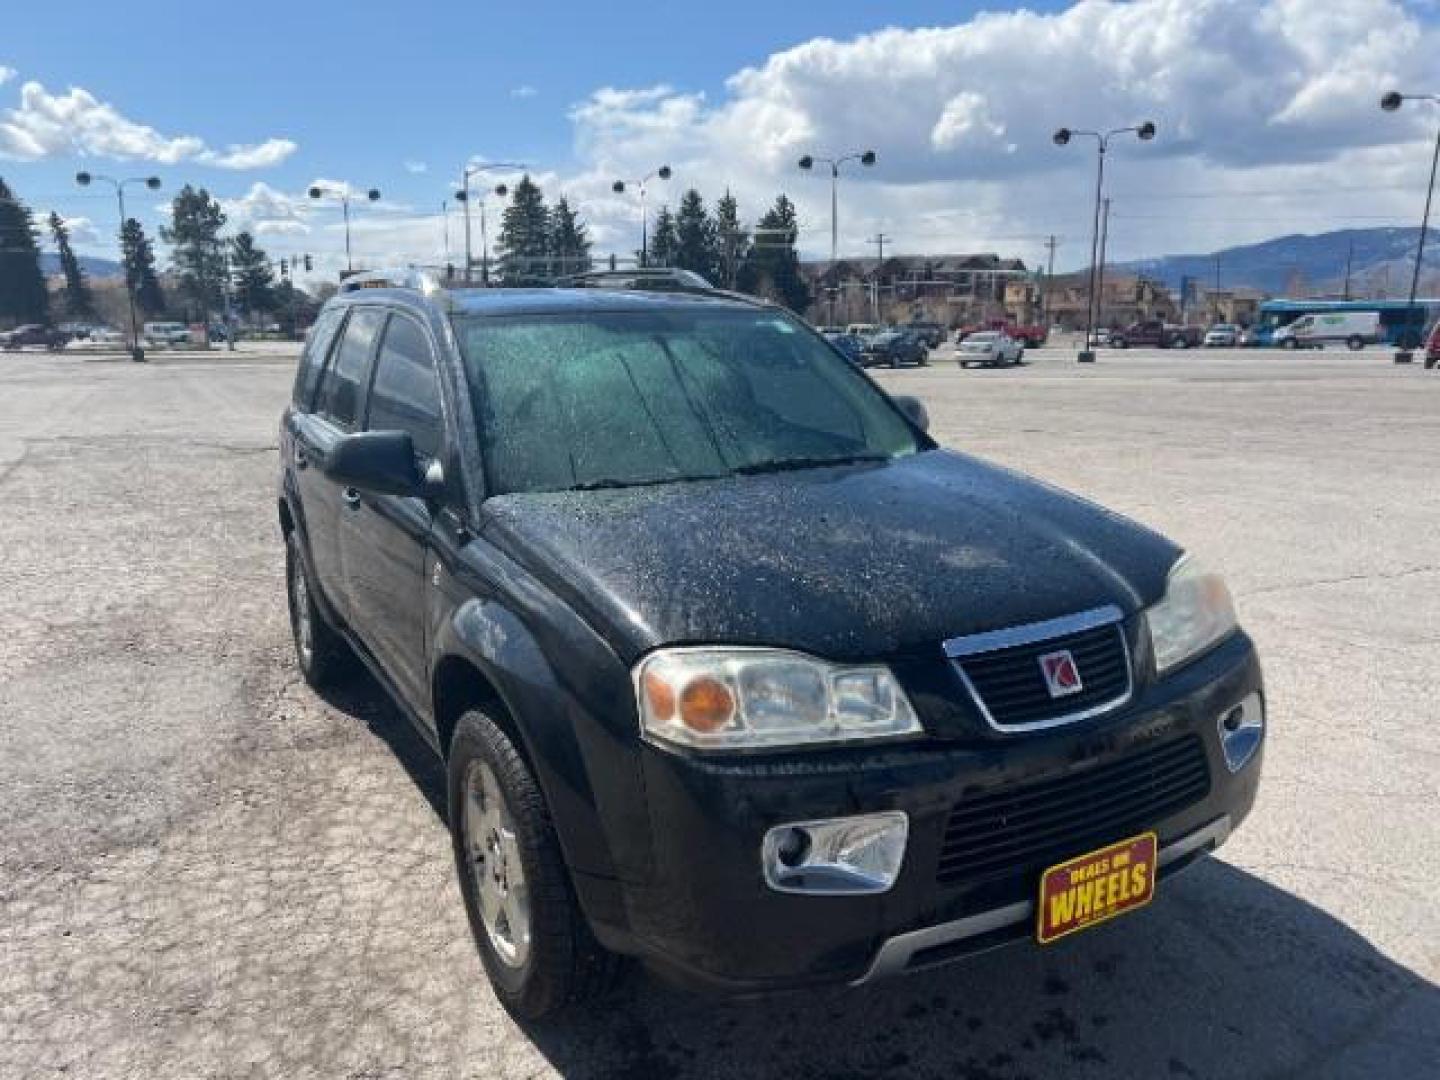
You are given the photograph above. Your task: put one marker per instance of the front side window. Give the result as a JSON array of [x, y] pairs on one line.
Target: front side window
[[339, 399], [312, 360], [405, 395], [615, 399]]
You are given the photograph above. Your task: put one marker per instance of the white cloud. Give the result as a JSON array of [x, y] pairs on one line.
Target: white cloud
[[523, 91], [416, 168], [1247, 94], [76, 123], [81, 229], [6, 74]]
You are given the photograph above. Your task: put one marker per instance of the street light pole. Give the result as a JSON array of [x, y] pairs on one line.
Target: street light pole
[[663, 173], [1390, 102], [84, 179], [1145, 132], [463, 196], [865, 157], [343, 195]]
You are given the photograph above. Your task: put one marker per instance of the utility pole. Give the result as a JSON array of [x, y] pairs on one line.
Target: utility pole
[[1100, 279], [879, 241], [1050, 245], [1349, 259]]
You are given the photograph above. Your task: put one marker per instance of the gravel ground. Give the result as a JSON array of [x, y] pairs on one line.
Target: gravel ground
[[206, 870]]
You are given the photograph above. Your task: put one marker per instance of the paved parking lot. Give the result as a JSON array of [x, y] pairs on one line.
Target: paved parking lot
[[205, 870]]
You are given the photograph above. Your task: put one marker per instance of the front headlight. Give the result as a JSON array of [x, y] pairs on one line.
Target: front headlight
[[740, 699], [1196, 613]]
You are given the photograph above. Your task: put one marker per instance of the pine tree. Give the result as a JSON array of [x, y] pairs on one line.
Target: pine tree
[[733, 240], [138, 257], [252, 278], [776, 264], [569, 240], [664, 242], [697, 240], [194, 231], [78, 302], [23, 295], [524, 242]]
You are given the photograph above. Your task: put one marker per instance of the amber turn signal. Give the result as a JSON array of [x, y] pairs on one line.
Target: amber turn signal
[[706, 705]]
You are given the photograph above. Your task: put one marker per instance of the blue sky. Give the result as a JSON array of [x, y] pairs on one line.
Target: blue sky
[[1266, 110]]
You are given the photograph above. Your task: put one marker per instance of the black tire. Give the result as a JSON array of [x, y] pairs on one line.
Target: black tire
[[1118, 343], [1288, 343], [326, 660], [1019, 357], [1356, 342], [563, 963]]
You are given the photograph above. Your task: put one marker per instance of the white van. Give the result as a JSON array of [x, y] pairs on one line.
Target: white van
[[167, 333], [1356, 328]]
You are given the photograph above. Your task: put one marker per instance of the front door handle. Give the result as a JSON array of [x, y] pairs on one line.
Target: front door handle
[[351, 496]]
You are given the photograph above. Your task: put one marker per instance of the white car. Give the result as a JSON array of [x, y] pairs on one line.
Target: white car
[[167, 333], [1222, 335], [991, 348], [106, 335]]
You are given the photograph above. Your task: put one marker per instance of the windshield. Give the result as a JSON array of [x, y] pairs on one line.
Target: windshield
[[629, 398]]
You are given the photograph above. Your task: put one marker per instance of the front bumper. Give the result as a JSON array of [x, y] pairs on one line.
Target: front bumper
[[706, 918]]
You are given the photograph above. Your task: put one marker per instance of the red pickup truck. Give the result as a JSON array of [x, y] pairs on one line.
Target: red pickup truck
[[1158, 335]]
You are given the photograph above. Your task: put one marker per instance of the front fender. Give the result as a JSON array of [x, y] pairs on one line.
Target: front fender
[[571, 702]]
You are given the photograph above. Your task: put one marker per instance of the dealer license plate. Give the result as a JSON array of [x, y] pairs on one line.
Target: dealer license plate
[[1090, 889]]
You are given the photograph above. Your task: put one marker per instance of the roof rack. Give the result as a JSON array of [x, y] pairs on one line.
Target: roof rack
[[646, 279]]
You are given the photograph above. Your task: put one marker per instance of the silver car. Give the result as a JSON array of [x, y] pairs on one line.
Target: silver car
[[1222, 335], [989, 348]]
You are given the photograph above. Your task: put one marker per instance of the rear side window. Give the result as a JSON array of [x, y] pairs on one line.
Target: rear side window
[[312, 360], [406, 395], [339, 399]]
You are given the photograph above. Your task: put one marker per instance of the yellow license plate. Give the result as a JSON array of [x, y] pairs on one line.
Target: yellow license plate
[[1090, 889]]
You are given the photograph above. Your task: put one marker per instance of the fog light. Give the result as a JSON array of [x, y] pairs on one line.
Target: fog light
[[836, 857], [1241, 730]]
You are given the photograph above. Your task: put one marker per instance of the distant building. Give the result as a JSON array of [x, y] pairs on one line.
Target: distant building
[[952, 290], [1240, 305], [1124, 298]]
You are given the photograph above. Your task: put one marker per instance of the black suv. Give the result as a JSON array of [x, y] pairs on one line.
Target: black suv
[[733, 669]]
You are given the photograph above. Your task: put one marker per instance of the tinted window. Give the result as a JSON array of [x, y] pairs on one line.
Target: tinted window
[[312, 360], [405, 395], [603, 399], [349, 365]]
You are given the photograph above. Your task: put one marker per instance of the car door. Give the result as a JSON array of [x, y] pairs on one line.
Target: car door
[[336, 412], [385, 538]]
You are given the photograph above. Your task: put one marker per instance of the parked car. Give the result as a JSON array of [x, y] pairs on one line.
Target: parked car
[[931, 333], [852, 346], [1222, 335], [1257, 337], [864, 331], [167, 333], [33, 334], [990, 348], [1432, 346], [894, 348], [106, 335], [1156, 334], [1355, 328], [828, 750]]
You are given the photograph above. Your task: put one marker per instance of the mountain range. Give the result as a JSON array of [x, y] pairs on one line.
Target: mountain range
[[93, 266], [1380, 264]]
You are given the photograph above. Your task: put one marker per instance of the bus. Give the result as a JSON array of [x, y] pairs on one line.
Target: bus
[[1399, 322]]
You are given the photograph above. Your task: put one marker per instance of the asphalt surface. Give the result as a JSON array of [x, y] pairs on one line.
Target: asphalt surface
[[206, 870]]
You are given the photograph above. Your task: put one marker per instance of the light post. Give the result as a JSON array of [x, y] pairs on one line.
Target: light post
[[1145, 132], [808, 162], [85, 179], [343, 195], [1390, 103], [463, 197], [663, 173]]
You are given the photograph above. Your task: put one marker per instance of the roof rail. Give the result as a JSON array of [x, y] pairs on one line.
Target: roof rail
[[645, 279], [403, 277]]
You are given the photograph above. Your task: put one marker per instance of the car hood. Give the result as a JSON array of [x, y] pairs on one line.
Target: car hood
[[848, 562]]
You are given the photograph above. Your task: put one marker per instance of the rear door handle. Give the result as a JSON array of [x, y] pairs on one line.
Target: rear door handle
[[351, 496]]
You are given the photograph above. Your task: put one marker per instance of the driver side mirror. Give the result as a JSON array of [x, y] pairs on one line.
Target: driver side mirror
[[913, 408], [382, 462]]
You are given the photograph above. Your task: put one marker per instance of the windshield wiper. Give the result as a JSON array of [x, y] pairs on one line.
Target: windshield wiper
[[788, 464], [605, 483]]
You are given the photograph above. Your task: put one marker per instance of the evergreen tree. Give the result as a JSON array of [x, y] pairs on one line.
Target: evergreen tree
[[252, 278], [569, 240], [698, 240], [524, 243], [23, 295], [664, 242], [775, 262], [194, 231], [138, 257], [78, 303], [733, 241]]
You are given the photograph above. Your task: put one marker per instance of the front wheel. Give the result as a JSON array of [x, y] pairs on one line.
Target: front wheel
[[1117, 343], [1356, 342], [533, 940], [1288, 343]]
